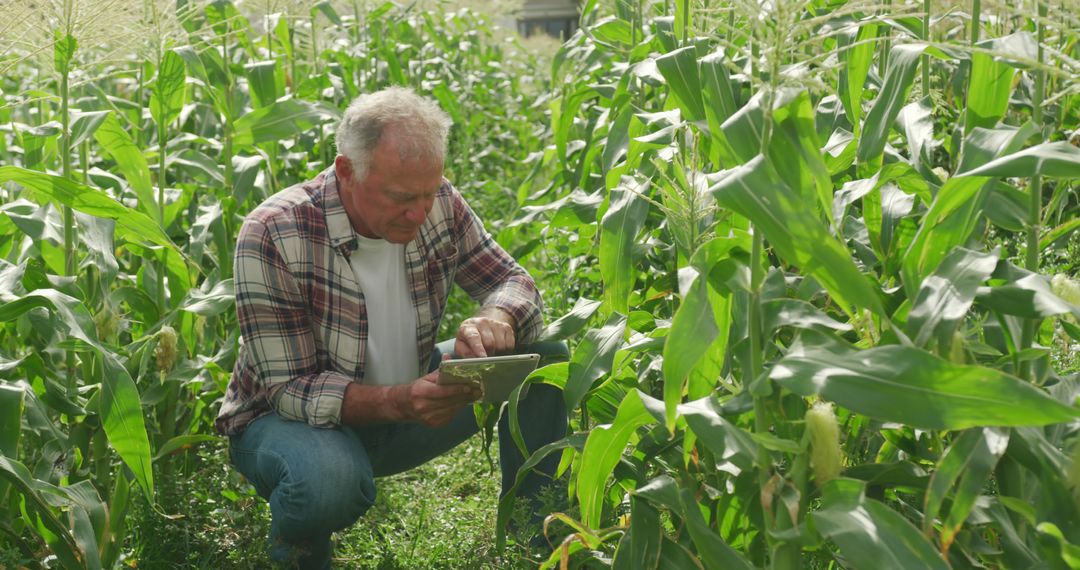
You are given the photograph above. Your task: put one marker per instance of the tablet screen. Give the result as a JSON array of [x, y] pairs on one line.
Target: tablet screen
[[497, 376]]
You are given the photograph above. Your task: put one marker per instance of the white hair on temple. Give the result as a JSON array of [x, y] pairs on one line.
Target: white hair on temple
[[420, 128]]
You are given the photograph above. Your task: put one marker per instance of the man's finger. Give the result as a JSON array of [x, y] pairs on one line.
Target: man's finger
[[507, 338], [487, 337], [475, 341]]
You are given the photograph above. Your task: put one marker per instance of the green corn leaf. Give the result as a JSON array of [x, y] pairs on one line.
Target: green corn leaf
[[136, 226], [1006, 206], [263, 83], [870, 534], [719, 94], [680, 69], [210, 303], [278, 121], [957, 207], [573, 210], [328, 10], [506, 502], [119, 407], [592, 359], [692, 333], [181, 443], [1055, 160], [754, 190], [740, 136], [97, 235], [1029, 296], [794, 150], [130, 161], [903, 62], [988, 95], [857, 54], [88, 521], [946, 295], [1051, 536], [11, 417], [911, 386], [705, 375], [449, 103], [728, 443], [168, 92], [563, 112], [676, 556], [711, 548], [283, 34], [569, 324], [619, 229], [796, 313], [118, 511], [63, 50], [11, 406], [611, 31], [899, 474], [617, 144], [85, 124], [646, 535], [991, 77], [665, 32], [56, 534], [967, 464], [36, 141], [1059, 232], [982, 146], [602, 451], [901, 174], [918, 129]]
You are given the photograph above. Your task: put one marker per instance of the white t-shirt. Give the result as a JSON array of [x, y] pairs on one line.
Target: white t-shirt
[[391, 356]]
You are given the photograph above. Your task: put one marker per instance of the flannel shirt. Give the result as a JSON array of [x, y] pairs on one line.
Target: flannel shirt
[[302, 320]]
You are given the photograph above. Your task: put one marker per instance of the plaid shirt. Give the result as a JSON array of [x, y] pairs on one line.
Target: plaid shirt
[[302, 319]]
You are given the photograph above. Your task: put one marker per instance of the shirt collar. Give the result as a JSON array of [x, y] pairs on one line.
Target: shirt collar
[[338, 226]]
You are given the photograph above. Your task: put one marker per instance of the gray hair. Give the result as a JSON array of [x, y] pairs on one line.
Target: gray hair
[[420, 127]]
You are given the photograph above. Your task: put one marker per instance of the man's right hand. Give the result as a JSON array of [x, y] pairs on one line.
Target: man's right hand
[[427, 402]]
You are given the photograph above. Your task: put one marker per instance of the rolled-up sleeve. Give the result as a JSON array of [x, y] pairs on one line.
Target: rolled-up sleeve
[[492, 277], [275, 325]]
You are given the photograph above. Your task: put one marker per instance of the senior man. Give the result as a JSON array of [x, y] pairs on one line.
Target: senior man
[[341, 283]]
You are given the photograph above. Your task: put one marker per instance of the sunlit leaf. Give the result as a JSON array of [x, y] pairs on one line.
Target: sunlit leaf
[[279, 121], [870, 534], [137, 226], [602, 451], [911, 386]]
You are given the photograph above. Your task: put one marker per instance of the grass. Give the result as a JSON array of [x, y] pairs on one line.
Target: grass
[[439, 515]]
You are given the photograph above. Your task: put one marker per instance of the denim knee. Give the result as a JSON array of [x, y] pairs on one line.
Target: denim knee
[[325, 498]]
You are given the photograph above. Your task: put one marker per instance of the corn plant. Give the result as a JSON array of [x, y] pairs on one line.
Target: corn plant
[[822, 329], [126, 170]]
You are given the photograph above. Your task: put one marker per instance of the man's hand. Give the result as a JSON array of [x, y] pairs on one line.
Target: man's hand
[[422, 400], [489, 332], [429, 403]]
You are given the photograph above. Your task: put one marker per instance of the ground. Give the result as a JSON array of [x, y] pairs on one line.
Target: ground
[[440, 515]]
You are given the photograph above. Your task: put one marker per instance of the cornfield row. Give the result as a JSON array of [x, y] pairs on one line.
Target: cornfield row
[[816, 260]]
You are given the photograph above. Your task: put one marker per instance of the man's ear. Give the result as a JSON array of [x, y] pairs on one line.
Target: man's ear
[[343, 167]]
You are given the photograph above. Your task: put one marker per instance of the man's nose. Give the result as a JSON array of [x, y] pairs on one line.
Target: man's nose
[[416, 214]]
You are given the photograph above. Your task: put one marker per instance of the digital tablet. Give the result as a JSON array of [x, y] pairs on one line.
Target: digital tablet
[[497, 376]]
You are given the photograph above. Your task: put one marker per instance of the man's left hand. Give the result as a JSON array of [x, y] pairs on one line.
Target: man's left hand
[[489, 332]]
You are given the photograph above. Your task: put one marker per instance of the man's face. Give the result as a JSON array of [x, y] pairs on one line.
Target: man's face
[[394, 197]]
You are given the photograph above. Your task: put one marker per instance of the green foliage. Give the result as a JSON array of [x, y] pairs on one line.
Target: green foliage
[[117, 330], [861, 252], [743, 213]]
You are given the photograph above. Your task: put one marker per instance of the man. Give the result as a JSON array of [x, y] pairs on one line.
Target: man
[[340, 286]]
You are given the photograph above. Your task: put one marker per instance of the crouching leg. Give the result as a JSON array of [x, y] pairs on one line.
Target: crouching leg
[[317, 481]]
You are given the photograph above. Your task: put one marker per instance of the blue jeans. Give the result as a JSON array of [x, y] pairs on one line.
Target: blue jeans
[[318, 481]]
